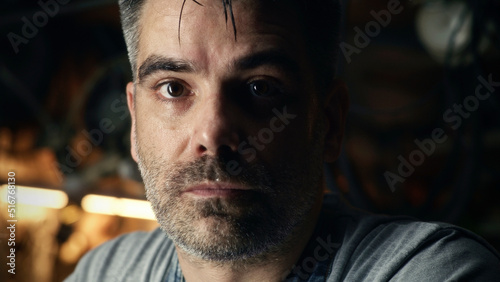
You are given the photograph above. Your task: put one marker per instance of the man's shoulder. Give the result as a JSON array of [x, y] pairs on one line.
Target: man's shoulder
[[382, 248], [137, 256]]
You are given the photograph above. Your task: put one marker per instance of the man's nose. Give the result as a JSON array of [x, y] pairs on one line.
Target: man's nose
[[216, 127]]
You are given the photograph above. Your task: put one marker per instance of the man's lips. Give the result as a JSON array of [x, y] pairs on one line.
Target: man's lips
[[217, 189]]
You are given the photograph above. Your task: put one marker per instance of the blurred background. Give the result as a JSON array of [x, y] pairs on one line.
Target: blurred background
[[421, 139]]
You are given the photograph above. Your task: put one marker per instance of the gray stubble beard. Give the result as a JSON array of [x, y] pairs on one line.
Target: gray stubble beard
[[230, 235]]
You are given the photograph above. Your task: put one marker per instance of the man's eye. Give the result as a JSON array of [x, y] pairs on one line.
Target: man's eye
[[172, 89], [262, 88]]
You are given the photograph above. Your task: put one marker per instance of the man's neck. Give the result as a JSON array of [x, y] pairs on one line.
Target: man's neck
[[270, 267]]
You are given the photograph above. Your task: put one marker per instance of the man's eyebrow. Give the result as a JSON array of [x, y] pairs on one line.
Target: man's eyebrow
[[270, 57], [273, 57], [156, 63]]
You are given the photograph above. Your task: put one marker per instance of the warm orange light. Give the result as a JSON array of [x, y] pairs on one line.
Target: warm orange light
[[47, 198], [118, 206]]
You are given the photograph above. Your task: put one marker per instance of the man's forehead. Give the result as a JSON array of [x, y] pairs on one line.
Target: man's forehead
[[164, 29], [178, 11], [173, 7], [177, 15]]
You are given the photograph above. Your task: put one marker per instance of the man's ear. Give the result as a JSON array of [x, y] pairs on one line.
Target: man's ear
[[335, 108], [131, 108]]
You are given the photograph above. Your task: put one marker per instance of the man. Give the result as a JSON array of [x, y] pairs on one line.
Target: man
[[234, 109]]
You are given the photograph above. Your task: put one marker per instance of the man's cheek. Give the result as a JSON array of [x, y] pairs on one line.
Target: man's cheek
[[282, 148]]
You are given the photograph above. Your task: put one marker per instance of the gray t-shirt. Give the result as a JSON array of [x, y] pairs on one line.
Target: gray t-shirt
[[348, 245]]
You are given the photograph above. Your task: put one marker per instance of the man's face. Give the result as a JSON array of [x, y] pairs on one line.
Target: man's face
[[227, 133]]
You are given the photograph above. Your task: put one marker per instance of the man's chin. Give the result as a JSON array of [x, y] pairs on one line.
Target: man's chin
[[215, 227], [218, 228], [234, 207], [220, 238]]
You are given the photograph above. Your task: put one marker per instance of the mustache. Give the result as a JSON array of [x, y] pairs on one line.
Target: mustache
[[217, 169]]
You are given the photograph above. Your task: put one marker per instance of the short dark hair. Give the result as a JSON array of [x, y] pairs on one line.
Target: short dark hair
[[322, 21]]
